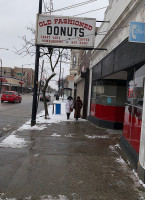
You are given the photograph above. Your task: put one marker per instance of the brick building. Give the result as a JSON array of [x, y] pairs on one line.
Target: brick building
[[17, 79]]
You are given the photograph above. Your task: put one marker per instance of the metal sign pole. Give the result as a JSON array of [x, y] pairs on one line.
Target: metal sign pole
[[34, 105]]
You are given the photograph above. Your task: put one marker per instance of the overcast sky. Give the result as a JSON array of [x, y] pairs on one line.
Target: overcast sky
[[17, 15]]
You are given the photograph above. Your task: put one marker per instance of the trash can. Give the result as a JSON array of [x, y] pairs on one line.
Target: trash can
[[57, 108]]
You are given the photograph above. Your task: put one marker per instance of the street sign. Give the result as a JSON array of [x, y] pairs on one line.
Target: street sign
[[64, 31], [19, 74], [137, 32]]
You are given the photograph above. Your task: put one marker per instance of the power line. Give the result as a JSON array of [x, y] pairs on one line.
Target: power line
[[111, 29], [75, 5], [89, 11]]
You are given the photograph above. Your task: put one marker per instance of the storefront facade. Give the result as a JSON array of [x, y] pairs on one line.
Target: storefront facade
[[10, 83], [117, 80], [134, 106]]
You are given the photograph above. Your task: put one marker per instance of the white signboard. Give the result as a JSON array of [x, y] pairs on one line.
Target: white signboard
[[65, 31]]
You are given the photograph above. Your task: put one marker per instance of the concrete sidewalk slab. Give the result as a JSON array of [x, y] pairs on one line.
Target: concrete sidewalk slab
[[68, 161]]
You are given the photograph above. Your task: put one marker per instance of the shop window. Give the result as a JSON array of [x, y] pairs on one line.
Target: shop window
[[134, 106], [109, 92]]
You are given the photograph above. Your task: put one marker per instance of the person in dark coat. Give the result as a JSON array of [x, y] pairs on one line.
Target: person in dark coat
[[78, 106]]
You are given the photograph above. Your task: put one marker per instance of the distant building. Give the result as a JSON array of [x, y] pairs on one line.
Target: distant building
[[17, 79]]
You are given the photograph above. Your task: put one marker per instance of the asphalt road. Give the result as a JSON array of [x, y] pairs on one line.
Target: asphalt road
[[13, 115]]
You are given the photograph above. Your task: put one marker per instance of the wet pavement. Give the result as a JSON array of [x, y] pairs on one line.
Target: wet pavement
[[13, 115], [68, 161]]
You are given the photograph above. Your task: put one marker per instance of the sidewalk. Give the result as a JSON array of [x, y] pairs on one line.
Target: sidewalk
[[66, 160]]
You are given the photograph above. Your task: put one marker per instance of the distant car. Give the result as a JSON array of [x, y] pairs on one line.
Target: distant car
[[47, 97], [11, 96]]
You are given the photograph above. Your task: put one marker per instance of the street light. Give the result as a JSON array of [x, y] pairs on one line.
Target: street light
[[21, 80]]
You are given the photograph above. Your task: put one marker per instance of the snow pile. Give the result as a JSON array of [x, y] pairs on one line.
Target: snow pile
[[27, 126], [53, 118], [13, 141], [55, 135], [120, 160], [140, 181], [97, 136], [48, 197]]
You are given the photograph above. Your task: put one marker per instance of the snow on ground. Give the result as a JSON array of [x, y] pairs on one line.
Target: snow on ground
[[138, 178], [27, 126], [45, 197], [120, 160], [55, 135], [48, 197], [52, 118], [13, 141], [97, 136]]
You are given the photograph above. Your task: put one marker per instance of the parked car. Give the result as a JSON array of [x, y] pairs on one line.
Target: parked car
[[11, 96], [47, 97]]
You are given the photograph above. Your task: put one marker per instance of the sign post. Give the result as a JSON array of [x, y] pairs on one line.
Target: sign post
[[34, 105]]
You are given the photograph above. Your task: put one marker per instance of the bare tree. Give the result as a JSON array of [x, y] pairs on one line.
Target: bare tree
[[29, 49]]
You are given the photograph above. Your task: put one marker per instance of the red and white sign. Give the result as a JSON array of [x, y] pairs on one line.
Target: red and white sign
[[65, 31], [3, 80]]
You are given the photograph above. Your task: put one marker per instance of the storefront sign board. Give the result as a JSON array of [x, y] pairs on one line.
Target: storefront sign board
[[62, 31]]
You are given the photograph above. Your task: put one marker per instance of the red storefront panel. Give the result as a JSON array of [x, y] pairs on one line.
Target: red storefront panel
[[109, 113], [132, 130]]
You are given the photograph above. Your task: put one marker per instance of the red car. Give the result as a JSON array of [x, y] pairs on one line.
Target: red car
[[11, 96]]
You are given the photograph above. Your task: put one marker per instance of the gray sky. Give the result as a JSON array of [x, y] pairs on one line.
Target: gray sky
[[17, 15]]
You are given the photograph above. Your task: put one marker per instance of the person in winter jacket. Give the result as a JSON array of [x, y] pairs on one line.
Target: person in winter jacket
[[69, 106], [78, 106]]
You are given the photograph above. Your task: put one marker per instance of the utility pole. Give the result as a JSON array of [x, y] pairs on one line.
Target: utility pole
[[34, 105], [62, 90], [60, 73], [22, 80]]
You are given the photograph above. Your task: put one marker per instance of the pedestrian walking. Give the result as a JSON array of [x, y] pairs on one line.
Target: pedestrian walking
[[78, 106], [69, 106]]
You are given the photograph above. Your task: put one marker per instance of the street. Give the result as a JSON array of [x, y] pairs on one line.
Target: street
[[13, 115]]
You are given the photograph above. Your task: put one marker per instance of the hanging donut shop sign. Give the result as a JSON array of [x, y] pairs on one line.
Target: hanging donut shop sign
[[63, 31]]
